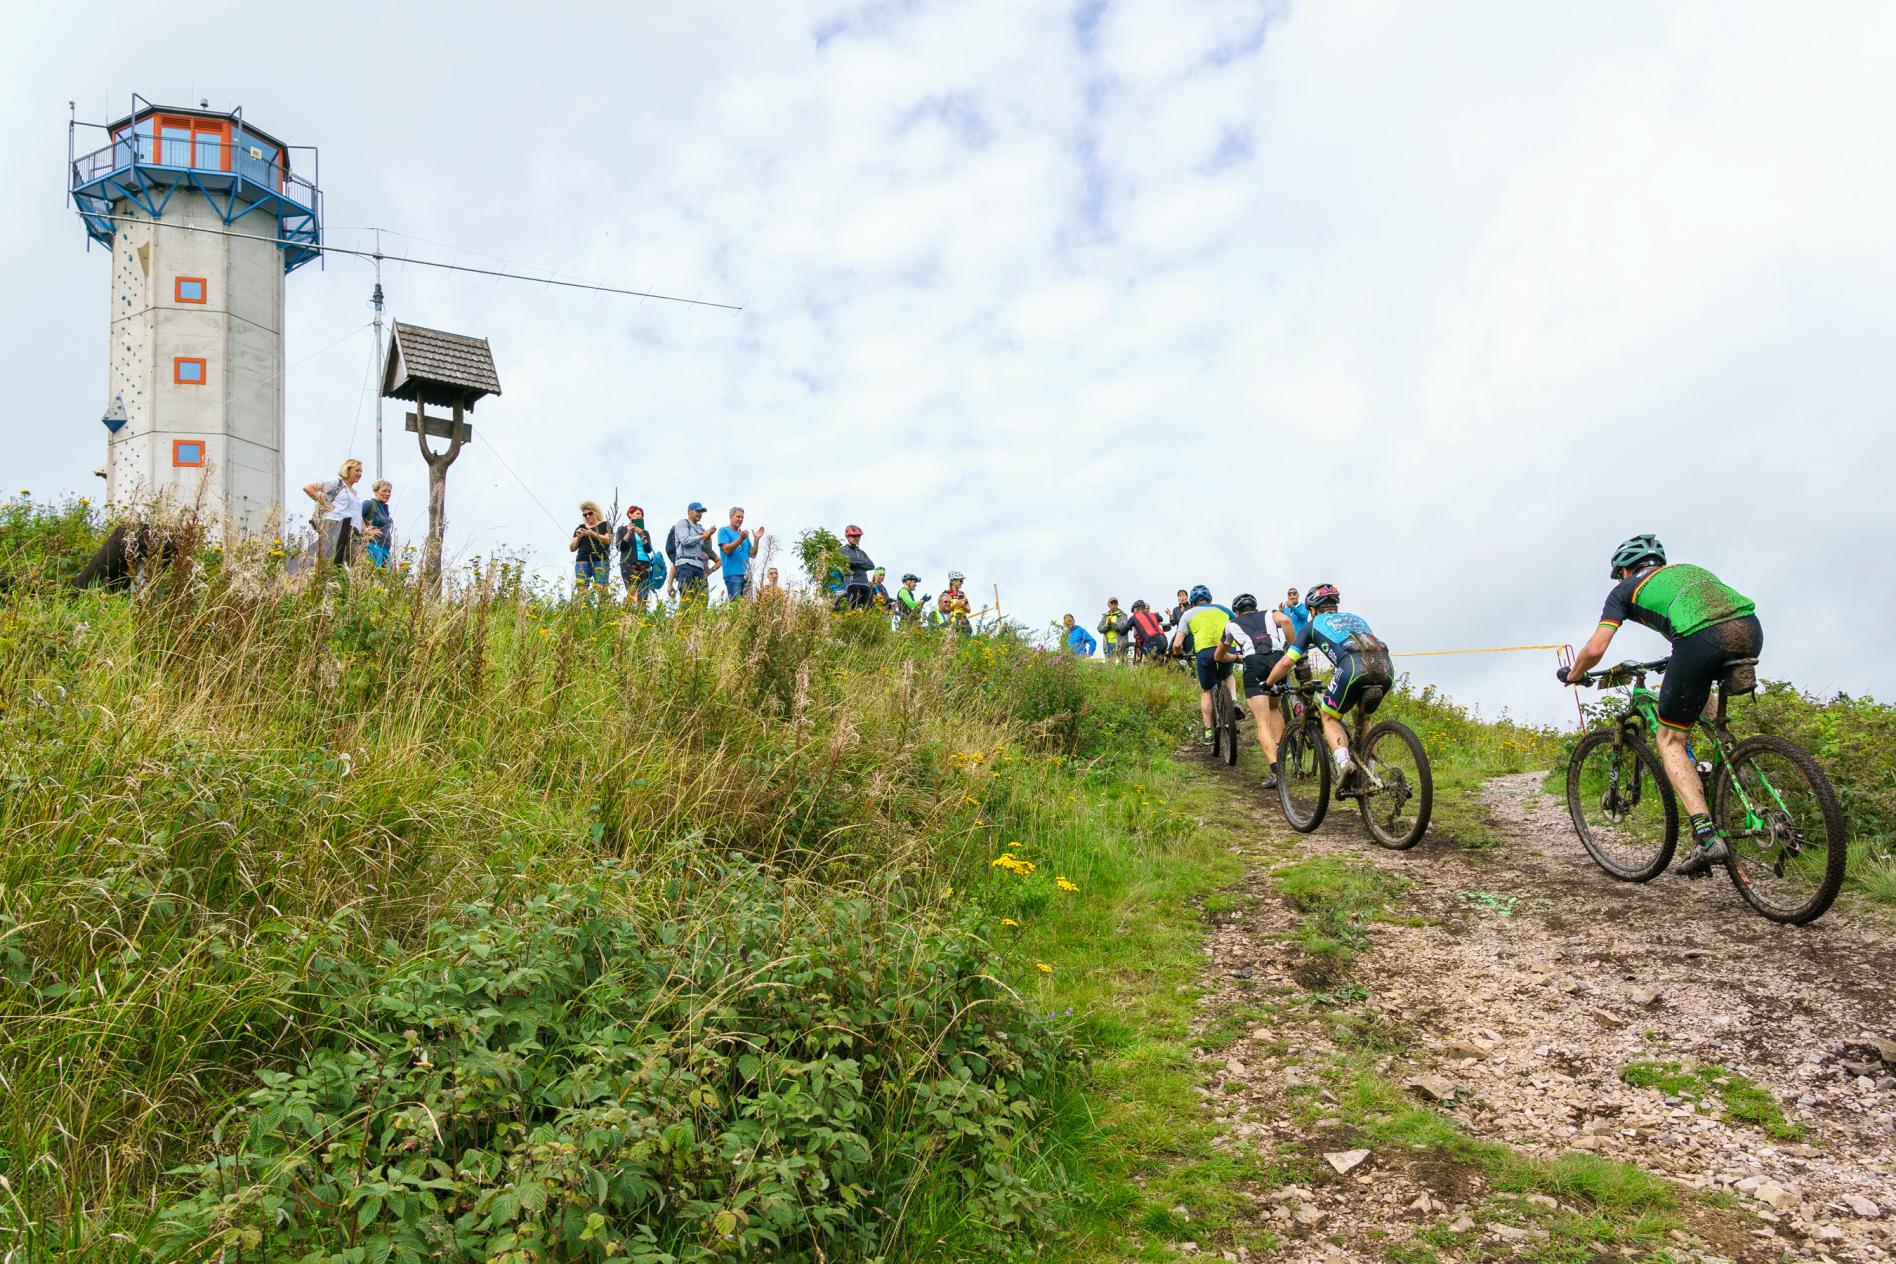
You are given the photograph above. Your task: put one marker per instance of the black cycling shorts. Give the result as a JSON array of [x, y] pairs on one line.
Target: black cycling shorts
[[1355, 675], [1211, 672], [1257, 670], [1697, 663]]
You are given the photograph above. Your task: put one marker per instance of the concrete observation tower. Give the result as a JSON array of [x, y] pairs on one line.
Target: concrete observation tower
[[204, 217]]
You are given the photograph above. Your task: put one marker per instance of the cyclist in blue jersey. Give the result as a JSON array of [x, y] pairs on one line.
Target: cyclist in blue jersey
[[1363, 669], [1198, 631]]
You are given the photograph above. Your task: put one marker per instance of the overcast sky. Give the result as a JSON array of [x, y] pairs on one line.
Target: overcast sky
[[1437, 302]]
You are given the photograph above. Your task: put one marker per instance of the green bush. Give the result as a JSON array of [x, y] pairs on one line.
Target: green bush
[[581, 1076]]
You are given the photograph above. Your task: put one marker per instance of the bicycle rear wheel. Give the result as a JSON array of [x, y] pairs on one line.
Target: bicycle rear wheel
[[1622, 806], [1396, 807], [1780, 817], [1303, 776]]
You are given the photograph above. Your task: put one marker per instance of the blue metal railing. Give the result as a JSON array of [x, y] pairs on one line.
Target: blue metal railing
[[210, 156]]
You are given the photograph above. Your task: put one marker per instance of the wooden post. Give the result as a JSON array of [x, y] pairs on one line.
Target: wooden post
[[438, 463]]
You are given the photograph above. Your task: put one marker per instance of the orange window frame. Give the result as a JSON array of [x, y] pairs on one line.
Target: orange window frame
[[194, 128], [177, 452], [177, 370], [177, 290]]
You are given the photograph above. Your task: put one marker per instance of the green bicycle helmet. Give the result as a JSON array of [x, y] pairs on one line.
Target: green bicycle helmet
[[1635, 551]]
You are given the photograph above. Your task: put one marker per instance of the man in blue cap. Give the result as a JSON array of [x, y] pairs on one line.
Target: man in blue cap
[[690, 549]]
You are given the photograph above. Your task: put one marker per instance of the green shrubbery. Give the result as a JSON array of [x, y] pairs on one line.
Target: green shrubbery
[[584, 1075], [247, 821]]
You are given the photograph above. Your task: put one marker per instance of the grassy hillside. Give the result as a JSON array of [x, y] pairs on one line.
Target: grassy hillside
[[335, 919], [339, 923]]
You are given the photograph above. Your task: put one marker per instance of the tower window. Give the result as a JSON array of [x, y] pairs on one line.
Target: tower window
[[188, 289], [187, 452], [188, 371]]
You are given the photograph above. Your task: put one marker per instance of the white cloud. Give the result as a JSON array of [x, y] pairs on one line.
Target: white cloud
[[1435, 301]]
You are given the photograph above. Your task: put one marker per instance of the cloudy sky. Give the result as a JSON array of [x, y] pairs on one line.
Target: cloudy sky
[[1438, 302]]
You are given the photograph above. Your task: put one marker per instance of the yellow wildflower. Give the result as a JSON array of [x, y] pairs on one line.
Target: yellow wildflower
[[1064, 885], [1008, 921], [1043, 967]]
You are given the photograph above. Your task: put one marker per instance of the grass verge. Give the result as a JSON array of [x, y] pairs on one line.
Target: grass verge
[[1739, 1099]]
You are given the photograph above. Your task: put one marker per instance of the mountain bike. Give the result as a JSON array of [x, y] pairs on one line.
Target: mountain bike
[[1390, 779], [1224, 722], [1770, 800]]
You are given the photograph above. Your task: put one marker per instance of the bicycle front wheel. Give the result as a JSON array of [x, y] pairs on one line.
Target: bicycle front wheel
[[1622, 806], [1303, 776], [1220, 701], [1781, 820], [1401, 791], [1230, 728]]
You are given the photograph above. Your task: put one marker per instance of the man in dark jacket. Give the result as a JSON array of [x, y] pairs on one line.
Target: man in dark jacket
[[857, 592]]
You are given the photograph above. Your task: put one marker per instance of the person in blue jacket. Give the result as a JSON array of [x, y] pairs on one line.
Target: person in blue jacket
[[1079, 642]]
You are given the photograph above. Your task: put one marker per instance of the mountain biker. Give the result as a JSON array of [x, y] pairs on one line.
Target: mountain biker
[[1114, 629], [1363, 670], [1201, 629], [908, 602], [1709, 624], [1148, 631], [856, 590], [1248, 640], [953, 606]]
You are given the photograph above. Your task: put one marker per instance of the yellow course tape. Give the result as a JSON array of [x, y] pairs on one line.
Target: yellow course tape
[[1499, 649]]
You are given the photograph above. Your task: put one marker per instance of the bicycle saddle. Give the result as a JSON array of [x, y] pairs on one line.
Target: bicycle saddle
[[1740, 675]]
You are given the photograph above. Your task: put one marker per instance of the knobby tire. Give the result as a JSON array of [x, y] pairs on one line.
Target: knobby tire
[[1422, 794], [1757, 866], [1647, 775], [1303, 765]]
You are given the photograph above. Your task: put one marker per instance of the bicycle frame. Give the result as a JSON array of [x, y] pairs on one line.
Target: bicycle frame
[[1642, 710]]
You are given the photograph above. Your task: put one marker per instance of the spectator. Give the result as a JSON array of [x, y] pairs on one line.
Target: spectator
[[689, 547], [953, 606], [338, 515], [771, 580], [640, 565], [591, 547], [879, 591], [856, 591], [1114, 627], [1079, 642], [908, 602], [378, 525], [1178, 611], [735, 544]]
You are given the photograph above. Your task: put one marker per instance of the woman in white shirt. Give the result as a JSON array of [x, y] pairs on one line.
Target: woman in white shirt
[[338, 518]]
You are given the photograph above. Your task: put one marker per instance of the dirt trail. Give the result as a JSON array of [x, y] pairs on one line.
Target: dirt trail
[[1529, 982]]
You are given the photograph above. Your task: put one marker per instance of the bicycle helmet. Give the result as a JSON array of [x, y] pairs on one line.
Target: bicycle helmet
[[1201, 595], [1635, 551], [907, 576], [1319, 595], [1138, 605], [1243, 602], [956, 575]]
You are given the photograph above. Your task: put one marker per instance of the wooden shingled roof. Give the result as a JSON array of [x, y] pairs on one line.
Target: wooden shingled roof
[[436, 367]]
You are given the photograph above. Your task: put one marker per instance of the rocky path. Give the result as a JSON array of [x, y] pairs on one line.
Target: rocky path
[[1511, 994]]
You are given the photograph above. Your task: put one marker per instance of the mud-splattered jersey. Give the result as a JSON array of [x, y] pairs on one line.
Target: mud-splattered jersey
[[1338, 634], [1674, 601]]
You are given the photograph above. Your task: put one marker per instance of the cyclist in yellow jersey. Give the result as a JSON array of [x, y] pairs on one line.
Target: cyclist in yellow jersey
[[1203, 625]]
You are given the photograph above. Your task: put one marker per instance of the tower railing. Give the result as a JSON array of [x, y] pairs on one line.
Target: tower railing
[[236, 177]]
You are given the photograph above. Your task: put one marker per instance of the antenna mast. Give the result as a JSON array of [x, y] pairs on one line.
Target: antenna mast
[[381, 369]]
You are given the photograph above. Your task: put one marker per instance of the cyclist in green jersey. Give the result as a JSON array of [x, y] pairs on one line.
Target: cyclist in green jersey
[[1709, 624], [1203, 624]]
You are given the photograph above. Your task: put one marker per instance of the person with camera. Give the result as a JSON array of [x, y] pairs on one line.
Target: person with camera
[[640, 565], [591, 547]]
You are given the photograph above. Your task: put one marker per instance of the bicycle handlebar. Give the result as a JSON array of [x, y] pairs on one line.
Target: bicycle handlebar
[[1603, 677]]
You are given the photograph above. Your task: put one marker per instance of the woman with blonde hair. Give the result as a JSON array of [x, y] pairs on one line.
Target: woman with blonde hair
[[591, 547], [338, 516], [378, 524]]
